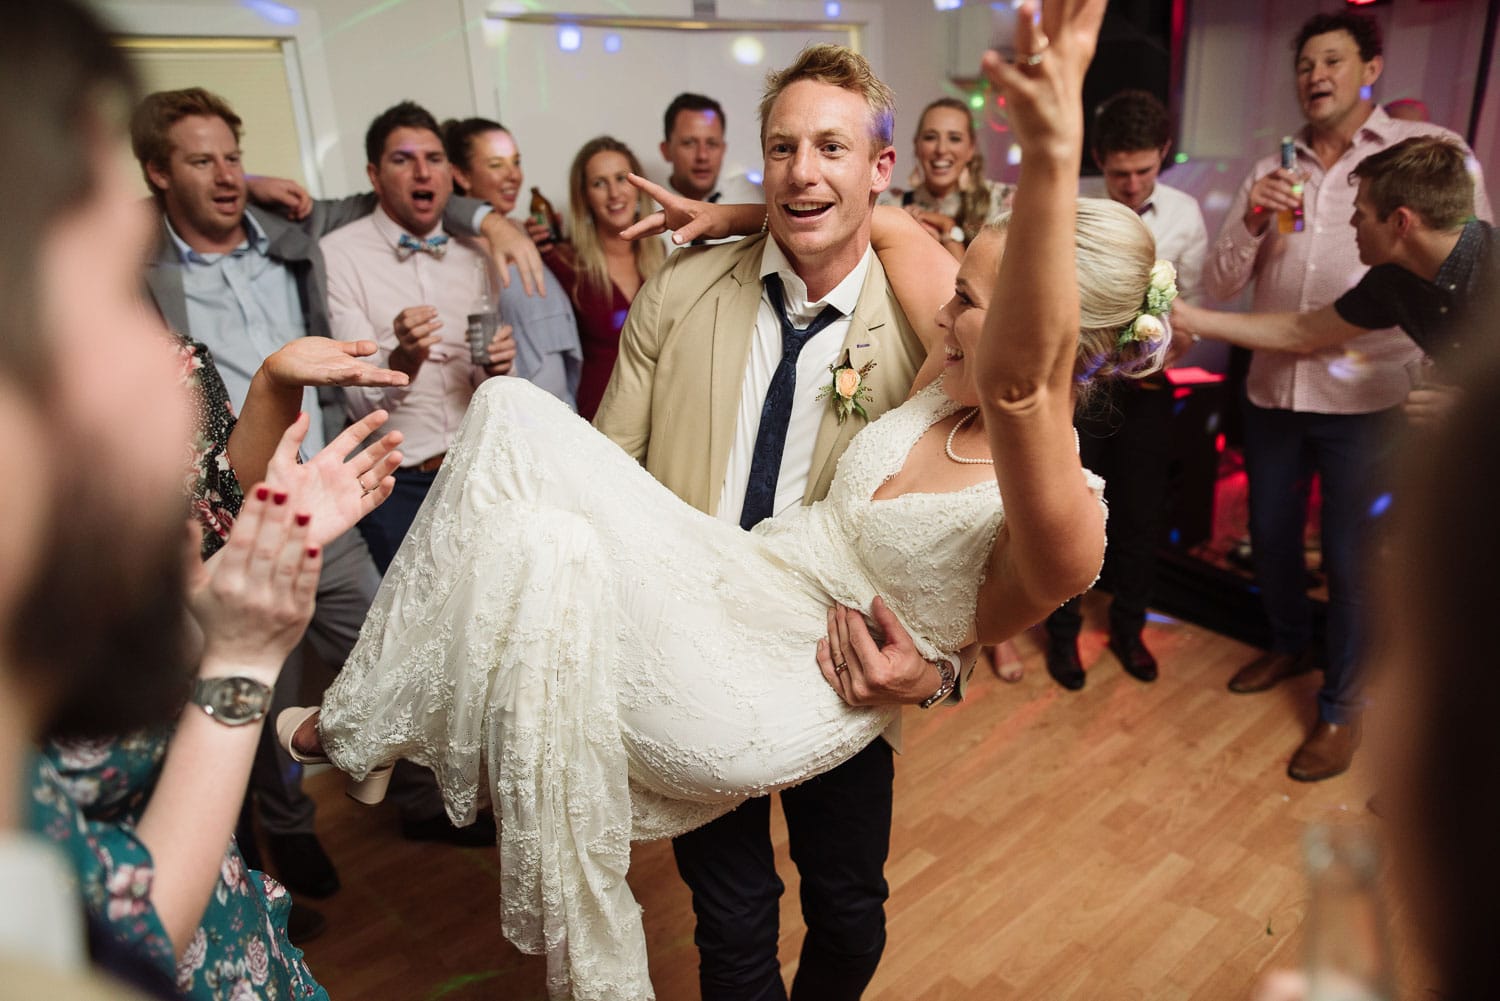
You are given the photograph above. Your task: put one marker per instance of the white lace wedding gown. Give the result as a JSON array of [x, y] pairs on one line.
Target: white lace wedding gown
[[618, 665]]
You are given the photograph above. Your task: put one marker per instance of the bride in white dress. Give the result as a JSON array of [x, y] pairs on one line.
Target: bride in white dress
[[562, 635]]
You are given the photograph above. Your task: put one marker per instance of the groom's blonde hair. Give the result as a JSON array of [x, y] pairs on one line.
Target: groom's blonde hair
[[839, 67]]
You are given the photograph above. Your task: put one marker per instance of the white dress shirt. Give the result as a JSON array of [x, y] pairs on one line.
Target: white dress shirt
[[813, 374], [1175, 219]]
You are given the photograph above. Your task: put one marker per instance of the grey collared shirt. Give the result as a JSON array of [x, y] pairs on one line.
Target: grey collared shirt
[[244, 306]]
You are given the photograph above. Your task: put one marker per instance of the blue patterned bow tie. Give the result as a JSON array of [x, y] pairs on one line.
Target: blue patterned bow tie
[[437, 246]]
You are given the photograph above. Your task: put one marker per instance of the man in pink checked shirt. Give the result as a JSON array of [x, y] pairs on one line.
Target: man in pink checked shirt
[[397, 279], [1329, 411]]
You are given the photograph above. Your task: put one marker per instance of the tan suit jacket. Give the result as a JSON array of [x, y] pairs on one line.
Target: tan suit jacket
[[673, 400]]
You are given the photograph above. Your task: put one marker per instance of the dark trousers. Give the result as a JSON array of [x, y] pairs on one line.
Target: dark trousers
[[1125, 437], [839, 828], [1283, 449], [385, 527]]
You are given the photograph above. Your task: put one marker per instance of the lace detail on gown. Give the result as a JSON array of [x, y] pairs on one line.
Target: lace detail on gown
[[609, 663]]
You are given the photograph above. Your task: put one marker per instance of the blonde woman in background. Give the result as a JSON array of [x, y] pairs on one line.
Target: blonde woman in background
[[602, 271], [953, 199]]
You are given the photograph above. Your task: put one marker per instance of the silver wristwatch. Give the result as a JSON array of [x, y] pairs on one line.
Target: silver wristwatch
[[233, 701], [945, 687]]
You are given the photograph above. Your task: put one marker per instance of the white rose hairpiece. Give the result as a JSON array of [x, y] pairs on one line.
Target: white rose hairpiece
[[1147, 325]]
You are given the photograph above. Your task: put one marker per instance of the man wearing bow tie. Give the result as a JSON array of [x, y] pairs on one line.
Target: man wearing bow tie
[[397, 279]]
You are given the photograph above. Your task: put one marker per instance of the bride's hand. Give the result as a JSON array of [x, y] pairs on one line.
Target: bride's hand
[[865, 673], [335, 489], [687, 218], [1044, 93]]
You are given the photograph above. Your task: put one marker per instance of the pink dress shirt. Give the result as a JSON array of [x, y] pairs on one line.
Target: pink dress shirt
[[1300, 272], [367, 288]]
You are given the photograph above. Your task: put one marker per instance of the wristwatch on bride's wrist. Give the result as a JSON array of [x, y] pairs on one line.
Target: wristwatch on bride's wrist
[[945, 687], [233, 701]]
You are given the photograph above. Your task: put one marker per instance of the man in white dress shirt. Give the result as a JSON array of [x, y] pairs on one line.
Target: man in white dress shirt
[[1124, 435]]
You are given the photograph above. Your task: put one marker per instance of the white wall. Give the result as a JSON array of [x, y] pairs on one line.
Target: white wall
[[1238, 97]]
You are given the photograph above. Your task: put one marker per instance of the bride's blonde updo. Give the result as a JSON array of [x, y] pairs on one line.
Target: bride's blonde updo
[[1116, 254]]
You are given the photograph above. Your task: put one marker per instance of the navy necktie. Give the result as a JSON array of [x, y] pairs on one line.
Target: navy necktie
[[776, 412]]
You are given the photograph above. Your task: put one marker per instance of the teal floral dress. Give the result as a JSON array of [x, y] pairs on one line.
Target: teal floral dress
[[87, 796]]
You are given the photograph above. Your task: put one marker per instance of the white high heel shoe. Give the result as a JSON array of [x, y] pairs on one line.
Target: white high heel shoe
[[370, 790]]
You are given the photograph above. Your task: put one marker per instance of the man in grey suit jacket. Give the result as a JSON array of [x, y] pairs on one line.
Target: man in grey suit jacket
[[246, 281], [716, 393]]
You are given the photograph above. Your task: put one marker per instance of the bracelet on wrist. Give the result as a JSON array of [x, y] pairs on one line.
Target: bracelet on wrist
[[948, 681]]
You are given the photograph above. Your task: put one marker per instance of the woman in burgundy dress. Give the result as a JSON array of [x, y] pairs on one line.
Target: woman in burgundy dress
[[601, 271]]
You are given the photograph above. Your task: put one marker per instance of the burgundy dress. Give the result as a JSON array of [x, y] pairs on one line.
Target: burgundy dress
[[600, 320]]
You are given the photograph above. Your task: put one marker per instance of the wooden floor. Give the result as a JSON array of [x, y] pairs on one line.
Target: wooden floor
[[1127, 841]]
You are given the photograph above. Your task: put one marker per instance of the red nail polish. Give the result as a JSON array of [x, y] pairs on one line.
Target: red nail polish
[[279, 497], [312, 552], [261, 493], [303, 519]]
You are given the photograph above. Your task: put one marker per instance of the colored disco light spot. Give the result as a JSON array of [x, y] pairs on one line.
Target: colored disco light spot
[[1381, 506], [1348, 367], [947, 4], [1013, 155], [276, 13], [832, 9], [748, 50], [976, 101], [612, 42], [1180, 158], [755, 177], [569, 37]]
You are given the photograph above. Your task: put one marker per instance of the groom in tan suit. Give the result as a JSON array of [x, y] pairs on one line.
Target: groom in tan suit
[[715, 392]]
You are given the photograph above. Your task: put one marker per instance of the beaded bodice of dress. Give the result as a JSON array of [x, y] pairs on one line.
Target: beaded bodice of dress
[[924, 553]]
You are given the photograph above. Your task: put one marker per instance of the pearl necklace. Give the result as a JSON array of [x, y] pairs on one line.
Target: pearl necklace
[[948, 446]]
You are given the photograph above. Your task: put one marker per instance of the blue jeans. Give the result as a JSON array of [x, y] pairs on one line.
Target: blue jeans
[[1283, 449]]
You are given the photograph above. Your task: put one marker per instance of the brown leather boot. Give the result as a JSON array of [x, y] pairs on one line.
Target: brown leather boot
[[1265, 671], [1326, 752]]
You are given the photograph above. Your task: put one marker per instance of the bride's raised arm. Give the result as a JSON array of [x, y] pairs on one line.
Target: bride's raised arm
[[920, 273], [1052, 543]]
